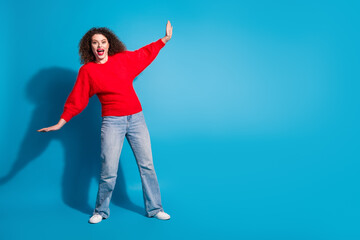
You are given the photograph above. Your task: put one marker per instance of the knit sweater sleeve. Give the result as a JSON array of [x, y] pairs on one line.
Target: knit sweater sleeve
[[141, 58], [78, 98]]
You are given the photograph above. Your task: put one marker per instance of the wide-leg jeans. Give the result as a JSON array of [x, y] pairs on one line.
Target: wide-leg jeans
[[113, 131]]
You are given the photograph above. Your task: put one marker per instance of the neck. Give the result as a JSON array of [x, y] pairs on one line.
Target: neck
[[102, 61]]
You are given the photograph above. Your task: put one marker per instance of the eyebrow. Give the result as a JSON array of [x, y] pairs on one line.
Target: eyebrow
[[101, 40]]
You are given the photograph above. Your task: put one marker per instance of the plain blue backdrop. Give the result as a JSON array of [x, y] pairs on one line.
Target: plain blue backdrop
[[252, 108]]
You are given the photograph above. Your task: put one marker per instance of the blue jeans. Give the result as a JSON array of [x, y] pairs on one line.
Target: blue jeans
[[113, 131]]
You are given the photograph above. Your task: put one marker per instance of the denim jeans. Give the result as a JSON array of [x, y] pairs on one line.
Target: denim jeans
[[113, 131]]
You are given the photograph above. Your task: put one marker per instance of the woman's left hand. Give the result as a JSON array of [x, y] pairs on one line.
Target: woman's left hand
[[168, 35]]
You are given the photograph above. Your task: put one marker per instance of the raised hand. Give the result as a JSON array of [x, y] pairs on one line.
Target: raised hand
[[168, 32]]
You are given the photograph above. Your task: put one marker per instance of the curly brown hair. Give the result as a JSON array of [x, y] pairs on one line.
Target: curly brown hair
[[85, 52]]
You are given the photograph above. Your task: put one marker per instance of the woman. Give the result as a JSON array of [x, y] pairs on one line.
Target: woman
[[108, 71]]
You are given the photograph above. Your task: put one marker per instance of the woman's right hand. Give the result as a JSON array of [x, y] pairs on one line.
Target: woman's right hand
[[53, 128], [168, 32]]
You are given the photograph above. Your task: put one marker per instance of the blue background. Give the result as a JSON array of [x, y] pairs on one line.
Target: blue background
[[252, 107]]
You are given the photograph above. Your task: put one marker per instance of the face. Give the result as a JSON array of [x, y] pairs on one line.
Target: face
[[100, 47]]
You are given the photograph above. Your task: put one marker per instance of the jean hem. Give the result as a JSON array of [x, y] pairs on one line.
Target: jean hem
[[105, 216], [153, 213]]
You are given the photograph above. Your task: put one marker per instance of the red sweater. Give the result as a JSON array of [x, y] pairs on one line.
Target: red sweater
[[112, 82]]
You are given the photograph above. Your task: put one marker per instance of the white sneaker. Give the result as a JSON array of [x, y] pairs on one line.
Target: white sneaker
[[96, 218], [162, 216]]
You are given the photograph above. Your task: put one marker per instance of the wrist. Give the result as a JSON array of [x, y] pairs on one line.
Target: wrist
[[61, 122], [165, 39]]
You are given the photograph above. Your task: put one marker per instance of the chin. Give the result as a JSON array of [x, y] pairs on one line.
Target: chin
[[101, 57]]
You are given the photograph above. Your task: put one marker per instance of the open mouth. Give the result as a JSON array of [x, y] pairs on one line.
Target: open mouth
[[100, 51]]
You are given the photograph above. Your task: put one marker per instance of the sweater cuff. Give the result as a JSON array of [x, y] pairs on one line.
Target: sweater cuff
[[66, 116], [160, 43]]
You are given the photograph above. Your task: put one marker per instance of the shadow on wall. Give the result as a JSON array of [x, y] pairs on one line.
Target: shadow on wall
[[48, 90]]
